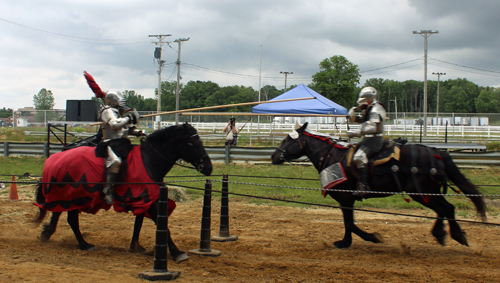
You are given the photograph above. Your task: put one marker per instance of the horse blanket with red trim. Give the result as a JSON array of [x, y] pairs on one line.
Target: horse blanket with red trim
[[82, 177]]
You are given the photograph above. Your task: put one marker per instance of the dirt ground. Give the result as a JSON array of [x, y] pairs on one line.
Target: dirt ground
[[275, 244]]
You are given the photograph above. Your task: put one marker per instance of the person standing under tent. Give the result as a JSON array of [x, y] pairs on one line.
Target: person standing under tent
[[231, 133]]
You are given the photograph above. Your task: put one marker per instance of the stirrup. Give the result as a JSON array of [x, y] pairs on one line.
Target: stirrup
[[108, 194], [109, 198]]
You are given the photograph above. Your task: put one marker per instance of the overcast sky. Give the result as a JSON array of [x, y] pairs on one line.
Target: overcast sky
[[48, 44]]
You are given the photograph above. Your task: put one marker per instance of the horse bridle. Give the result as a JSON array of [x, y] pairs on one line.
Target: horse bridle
[[200, 165], [283, 151], [302, 145]]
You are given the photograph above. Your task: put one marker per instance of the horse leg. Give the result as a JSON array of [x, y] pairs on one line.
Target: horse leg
[[75, 226], [444, 209], [456, 232], [177, 254], [49, 229], [350, 228], [135, 247]]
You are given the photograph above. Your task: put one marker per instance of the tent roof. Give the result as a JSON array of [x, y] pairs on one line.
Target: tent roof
[[320, 105]]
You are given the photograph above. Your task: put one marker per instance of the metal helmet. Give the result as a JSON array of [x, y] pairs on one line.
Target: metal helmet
[[115, 99], [367, 93]]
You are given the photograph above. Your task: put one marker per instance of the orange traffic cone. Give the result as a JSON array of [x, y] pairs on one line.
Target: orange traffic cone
[[13, 190]]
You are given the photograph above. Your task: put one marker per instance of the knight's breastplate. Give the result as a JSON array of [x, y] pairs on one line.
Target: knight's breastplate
[[375, 114], [111, 117]]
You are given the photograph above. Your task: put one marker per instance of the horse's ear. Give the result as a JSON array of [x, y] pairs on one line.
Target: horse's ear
[[297, 125], [303, 127]]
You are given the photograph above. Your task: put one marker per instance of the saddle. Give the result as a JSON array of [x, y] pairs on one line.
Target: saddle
[[390, 150]]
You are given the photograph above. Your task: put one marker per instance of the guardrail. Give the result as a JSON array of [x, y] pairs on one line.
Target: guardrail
[[228, 155]]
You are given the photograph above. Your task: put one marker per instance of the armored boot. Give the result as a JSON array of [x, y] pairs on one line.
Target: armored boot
[[362, 183], [109, 189]]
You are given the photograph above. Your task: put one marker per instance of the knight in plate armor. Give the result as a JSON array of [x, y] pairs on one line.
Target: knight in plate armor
[[119, 122], [371, 120]]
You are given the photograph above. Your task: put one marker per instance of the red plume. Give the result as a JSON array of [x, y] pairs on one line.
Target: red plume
[[94, 86]]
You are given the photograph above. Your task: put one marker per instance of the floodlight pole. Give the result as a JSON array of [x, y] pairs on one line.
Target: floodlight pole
[[160, 65], [425, 34], [286, 74], [179, 40], [437, 102]]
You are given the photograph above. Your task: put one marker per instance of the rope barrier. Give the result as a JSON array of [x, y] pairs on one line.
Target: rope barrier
[[262, 185], [297, 202], [349, 208]]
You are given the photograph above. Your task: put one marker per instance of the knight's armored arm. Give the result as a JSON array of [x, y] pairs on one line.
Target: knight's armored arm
[[113, 120], [136, 132], [374, 124], [351, 115]]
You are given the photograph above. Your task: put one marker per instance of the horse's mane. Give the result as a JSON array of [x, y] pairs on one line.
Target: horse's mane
[[170, 133], [330, 139]]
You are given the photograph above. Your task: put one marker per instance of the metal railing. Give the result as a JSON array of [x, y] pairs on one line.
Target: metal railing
[[246, 154]]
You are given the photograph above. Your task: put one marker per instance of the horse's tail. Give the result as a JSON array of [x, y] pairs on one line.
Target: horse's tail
[[464, 184], [40, 198]]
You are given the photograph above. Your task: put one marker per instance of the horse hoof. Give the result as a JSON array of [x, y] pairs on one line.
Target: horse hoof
[[462, 239], [378, 238], [137, 250], [181, 257], [91, 249], [341, 245], [88, 248], [441, 240], [44, 238]]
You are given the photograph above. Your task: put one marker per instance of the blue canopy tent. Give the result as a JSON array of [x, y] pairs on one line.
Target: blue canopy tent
[[320, 105]]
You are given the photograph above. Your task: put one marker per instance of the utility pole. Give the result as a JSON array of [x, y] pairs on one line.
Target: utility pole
[[425, 34], [157, 54], [286, 74], [179, 40], [437, 101]]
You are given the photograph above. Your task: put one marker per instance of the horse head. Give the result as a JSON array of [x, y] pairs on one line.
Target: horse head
[[181, 141], [292, 147], [194, 152]]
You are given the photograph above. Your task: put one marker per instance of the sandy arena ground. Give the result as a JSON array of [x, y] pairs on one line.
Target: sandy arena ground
[[276, 244]]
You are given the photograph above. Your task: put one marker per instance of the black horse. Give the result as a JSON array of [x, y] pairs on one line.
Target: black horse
[[159, 152], [392, 176]]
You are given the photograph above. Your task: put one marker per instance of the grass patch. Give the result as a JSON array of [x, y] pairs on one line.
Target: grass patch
[[254, 180]]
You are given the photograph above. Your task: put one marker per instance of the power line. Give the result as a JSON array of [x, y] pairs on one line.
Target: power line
[[463, 66], [81, 39], [391, 65]]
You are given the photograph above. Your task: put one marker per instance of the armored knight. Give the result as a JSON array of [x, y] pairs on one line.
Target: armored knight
[[371, 122], [119, 121]]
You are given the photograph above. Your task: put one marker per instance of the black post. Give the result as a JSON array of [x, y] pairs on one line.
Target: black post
[[224, 235], [446, 133], [421, 125], [160, 271], [205, 225]]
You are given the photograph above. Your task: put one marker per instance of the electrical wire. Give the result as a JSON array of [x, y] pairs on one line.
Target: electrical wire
[[82, 39]]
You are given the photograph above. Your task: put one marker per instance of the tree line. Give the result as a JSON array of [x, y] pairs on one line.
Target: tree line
[[337, 79]]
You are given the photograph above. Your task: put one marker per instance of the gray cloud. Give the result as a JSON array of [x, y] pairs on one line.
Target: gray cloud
[[226, 38]]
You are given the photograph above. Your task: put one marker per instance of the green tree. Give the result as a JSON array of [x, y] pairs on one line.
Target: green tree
[[336, 80], [457, 101], [5, 113], [195, 93], [168, 94], [488, 101], [471, 92], [44, 100], [269, 92]]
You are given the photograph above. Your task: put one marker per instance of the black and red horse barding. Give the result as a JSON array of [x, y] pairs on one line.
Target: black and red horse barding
[[420, 169], [73, 180]]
